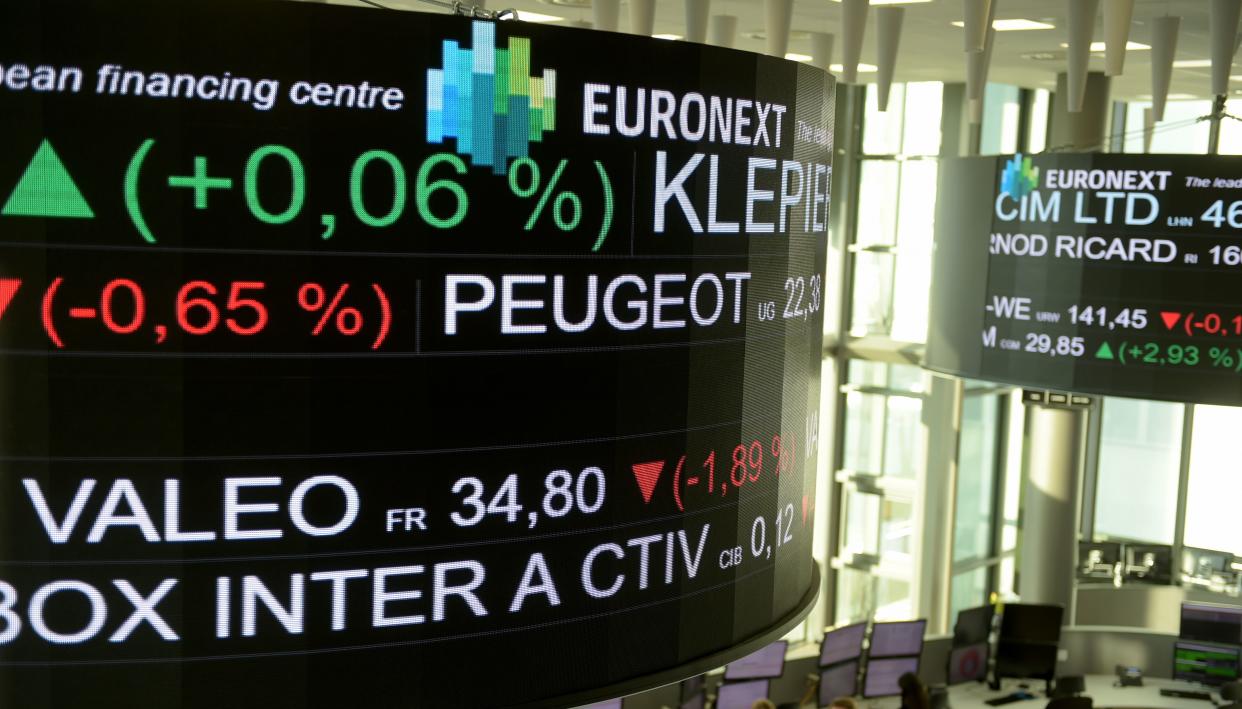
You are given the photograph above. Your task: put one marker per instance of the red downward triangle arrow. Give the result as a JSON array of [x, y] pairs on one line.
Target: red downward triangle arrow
[[8, 289], [647, 475], [1170, 319]]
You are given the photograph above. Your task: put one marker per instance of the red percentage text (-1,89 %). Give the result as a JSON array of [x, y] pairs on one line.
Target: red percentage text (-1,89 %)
[[745, 465], [203, 308]]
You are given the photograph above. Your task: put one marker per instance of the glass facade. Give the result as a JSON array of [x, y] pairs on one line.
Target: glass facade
[[1156, 472]]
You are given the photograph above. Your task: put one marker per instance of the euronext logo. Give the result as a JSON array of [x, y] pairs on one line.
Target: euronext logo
[[484, 98], [1019, 178]]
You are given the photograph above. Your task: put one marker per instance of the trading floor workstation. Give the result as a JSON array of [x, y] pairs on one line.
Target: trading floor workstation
[[997, 655]]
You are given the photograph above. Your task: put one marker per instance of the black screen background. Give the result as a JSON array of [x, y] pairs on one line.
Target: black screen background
[[401, 428]]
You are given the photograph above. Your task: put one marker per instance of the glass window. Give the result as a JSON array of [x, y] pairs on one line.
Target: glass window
[[915, 235], [976, 478], [1139, 469], [1181, 131], [896, 530], [924, 102], [1231, 134], [1037, 136], [855, 596], [1002, 113], [864, 432], [877, 197], [903, 439], [898, 377], [882, 129], [968, 590], [910, 126], [897, 208], [1215, 489], [894, 600], [862, 523]]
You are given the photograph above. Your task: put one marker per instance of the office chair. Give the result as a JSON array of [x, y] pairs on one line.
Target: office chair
[[1070, 703], [1069, 686], [1231, 692]]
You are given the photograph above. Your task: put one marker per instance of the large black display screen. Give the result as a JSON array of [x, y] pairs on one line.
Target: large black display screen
[[1104, 274], [365, 358]]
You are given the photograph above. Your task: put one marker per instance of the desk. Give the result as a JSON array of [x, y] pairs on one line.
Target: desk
[[1099, 687]]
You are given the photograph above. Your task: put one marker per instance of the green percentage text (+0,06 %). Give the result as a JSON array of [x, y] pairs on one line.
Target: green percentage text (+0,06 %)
[[440, 198], [1172, 355]]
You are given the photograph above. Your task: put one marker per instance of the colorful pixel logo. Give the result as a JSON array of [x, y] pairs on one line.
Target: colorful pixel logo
[[1020, 178], [484, 98]]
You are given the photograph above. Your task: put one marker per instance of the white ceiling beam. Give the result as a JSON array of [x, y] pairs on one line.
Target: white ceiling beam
[[976, 16], [821, 49], [1117, 17], [1224, 32], [642, 17], [853, 24], [1082, 14], [779, 19], [1163, 49], [724, 30], [888, 20], [697, 12], [607, 14]]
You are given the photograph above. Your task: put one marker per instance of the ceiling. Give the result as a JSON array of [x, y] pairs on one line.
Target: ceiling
[[931, 48]]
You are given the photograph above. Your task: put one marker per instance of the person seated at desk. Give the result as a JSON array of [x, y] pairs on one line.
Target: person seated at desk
[[763, 704], [913, 692]]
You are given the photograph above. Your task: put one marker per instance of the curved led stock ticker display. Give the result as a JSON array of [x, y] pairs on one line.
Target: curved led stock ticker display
[[1105, 274], [352, 356]]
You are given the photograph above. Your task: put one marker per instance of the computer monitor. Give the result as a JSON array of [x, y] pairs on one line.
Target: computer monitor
[[766, 663], [973, 626], [1098, 560], [1212, 665], [1149, 563], [695, 701], [897, 639], [882, 676], [842, 644], [838, 681], [968, 663], [741, 695], [1031, 623], [1208, 622], [1206, 563]]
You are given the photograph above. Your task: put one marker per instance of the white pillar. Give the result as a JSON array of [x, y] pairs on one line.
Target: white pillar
[[1163, 48], [888, 39], [976, 16], [1082, 14], [1223, 25], [642, 17], [853, 24], [607, 14], [821, 49], [697, 12], [1117, 17], [780, 17], [724, 30]]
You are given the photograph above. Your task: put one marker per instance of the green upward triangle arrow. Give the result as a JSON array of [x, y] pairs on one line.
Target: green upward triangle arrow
[[46, 190]]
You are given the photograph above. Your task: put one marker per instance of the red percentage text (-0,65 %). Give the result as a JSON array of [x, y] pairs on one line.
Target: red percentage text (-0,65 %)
[[202, 308]]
